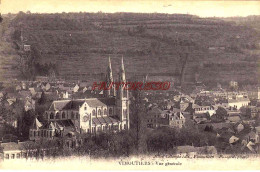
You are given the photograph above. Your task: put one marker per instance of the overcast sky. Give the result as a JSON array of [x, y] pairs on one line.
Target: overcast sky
[[200, 8]]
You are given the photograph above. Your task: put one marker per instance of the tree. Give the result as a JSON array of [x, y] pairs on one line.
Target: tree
[[43, 99], [221, 113], [137, 121]]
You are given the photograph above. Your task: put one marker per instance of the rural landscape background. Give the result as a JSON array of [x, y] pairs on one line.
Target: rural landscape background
[[76, 46]]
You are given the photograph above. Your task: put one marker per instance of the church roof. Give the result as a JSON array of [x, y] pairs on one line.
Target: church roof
[[104, 120], [74, 104]]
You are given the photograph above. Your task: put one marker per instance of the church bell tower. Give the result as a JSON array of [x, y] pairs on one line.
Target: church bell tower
[[122, 99]]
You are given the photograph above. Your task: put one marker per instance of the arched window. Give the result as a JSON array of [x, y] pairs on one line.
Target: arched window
[[63, 115], [85, 108], [93, 112], [57, 115], [105, 111], [125, 93], [51, 116], [110, 111], [125, 113], [99, 112]]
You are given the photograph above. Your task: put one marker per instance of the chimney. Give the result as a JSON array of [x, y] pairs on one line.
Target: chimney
[[18, 141]]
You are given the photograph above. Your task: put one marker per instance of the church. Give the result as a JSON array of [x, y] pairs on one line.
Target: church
[[91, 115]]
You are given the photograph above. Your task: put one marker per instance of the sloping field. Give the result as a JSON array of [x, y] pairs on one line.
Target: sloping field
[[150, 43]]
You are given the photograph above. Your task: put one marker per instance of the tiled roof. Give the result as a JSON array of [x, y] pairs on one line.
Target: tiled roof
[[13, 146], [74, 104], [100, 102], [234, 118], [221, 125], [95, 121], [59, 105], [238, 100], [104, 120]]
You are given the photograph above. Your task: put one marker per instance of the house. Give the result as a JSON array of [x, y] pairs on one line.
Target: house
[[157, 118], [12, 150], [18, 88], [152, 117], [27, 48], [47, 131], [46, 87], [239, 127], [233, 139], [252, 111], [233, 84], [177, 120], [29, 105], [20, 150], [251, 136], [237, 103], [84, 89], [65, 95], [204, 109], [76, 88], [24, 85]]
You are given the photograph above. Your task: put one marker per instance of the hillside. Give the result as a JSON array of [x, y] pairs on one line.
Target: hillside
[[8, 55], [80, 43]]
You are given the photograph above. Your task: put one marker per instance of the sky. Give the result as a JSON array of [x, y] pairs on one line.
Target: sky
[[202, 8]]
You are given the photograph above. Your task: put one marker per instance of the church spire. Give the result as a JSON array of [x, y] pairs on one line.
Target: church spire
[[122, 71], [109, 71], [109, 80]]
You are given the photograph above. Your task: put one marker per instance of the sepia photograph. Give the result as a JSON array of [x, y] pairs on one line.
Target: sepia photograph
[[129, 85]]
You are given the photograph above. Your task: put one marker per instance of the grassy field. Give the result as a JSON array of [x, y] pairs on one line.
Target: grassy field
[[80, 43]]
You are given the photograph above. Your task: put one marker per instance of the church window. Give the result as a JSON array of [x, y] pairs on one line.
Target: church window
[[105, 111], [6, 156], [85, 108], [57, 116], [51, 116], [63, 115], [99, 112], [125, 113], [125, 93], [77, 116], [72, 115], [110, 111], [93, 112]]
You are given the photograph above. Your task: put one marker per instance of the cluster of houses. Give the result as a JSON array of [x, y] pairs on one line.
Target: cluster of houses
[[231, 115], [75, 109]]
